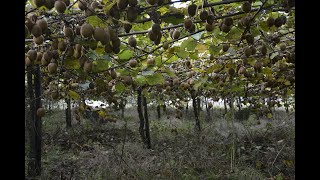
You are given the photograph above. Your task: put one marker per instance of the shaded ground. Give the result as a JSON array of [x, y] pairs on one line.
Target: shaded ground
[[265, 149]]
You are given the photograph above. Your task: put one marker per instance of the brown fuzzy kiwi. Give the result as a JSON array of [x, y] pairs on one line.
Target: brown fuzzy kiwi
[[210, 19], [133, 63], [87, 67], [185, 85], [54, 44], [39, 57], [241, 70], [122, 4], [257, 66], [249, 38], [116, 43], [67, 2], [152, 2], [246, 7], [41, 112], [247, 51], [36, 30], [253, 50], [245, 21], [77, 30], [29, 24], [270, 21], [132, 41], [86, 30], [68, 32], [187, 23], [263, 50], [28, 62], [278, 22], [83, 5], [89, 12], [152, 35], [231, 71], [99, 34], [127, 27], [176, 34], [283, 46], [115, 49], [47, 56], [209, 27], [225, 47], [60, 6], [113, 74], [38, 40], [150, 62], [225, 28], [70, 51], [39, 3], [55, 54], [127, 80], [62, 45], [52, 68], [192, 28], [211, 57], [158, 40], [32, 55], [42, 24], [284, 19], [156, 28], [192, 10], [204, 15], [54, 95], [49, 4], [133, 3], [108, 48], [228, 21], [132, 14], [165, 45], [276, 40]]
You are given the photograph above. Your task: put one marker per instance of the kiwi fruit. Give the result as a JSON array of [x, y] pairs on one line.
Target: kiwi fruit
[[29, 24], [115, 49], [89, 12], [62, 45], [253, 50], [122, 4], [257, 66], [225, 28], [32, 55], [113, 74], [133, 63], [156, 28], [60, 6], [49, 4], [133, 3], [211, 57], [270, 21], [276, 40], [132, 41], [55, 54], [228, 21], [284, 19], [247, 51], [36, 30], [132, 14], [39, 3], [263, 50], [204, 15], [87, 67], [127, 80], [249, 38], [68, 32], [245, 21], [192, 28], [150, 62], [231, 71], [165, 45], [175, 81], [67, 2], [47, 56], [99, 34], [176, 34], [278, 22], [246, 7], [225, 47], [192, 9], [42, 24], [282, 46], [77, 30], [116, 43], [152, 35], [70, 51], [44, 62], [39, 57], [152, 2], [108, 48], [28, 62], [83, 5], [241, 70], [54, 95], [190, 81], [41, 112], [127, 27], [86, 30], [52, 68], [38, 40], [185, 85], [209, 27], [210, 19]]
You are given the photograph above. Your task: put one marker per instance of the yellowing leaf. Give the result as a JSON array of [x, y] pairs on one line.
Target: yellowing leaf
[[269, 115], [74, 95]]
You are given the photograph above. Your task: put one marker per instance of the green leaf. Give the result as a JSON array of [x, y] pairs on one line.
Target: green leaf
[[126, 54], [197, 36], [71, 63], [95, 21], [100, 65], [74, 95], [141, 80], [155, 79], [177, 19], [182, 53], [120, 87], [200, 82], [267, 71], [213, 67], [190, 44], [287, 83], [194, 55], [274, 55], [163, 10], [172, 59], [170, 73]]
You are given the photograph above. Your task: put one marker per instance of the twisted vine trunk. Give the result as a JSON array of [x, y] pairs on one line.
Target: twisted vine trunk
[[141, 118], [68, 113], [195, 110], [147, 129]]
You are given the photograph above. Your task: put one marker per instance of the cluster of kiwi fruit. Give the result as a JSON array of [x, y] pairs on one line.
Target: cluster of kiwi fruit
[[226, 24], [59, 5], [89, 9], [37, 27], [278, 22], [155, 34]]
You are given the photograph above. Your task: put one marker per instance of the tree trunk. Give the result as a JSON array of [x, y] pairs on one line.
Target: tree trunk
[[225, 106], [38, 122], [147, 130], [31, 126], [208, 118], [158, 112], [139, 108], [68, 113], [195, 110]]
